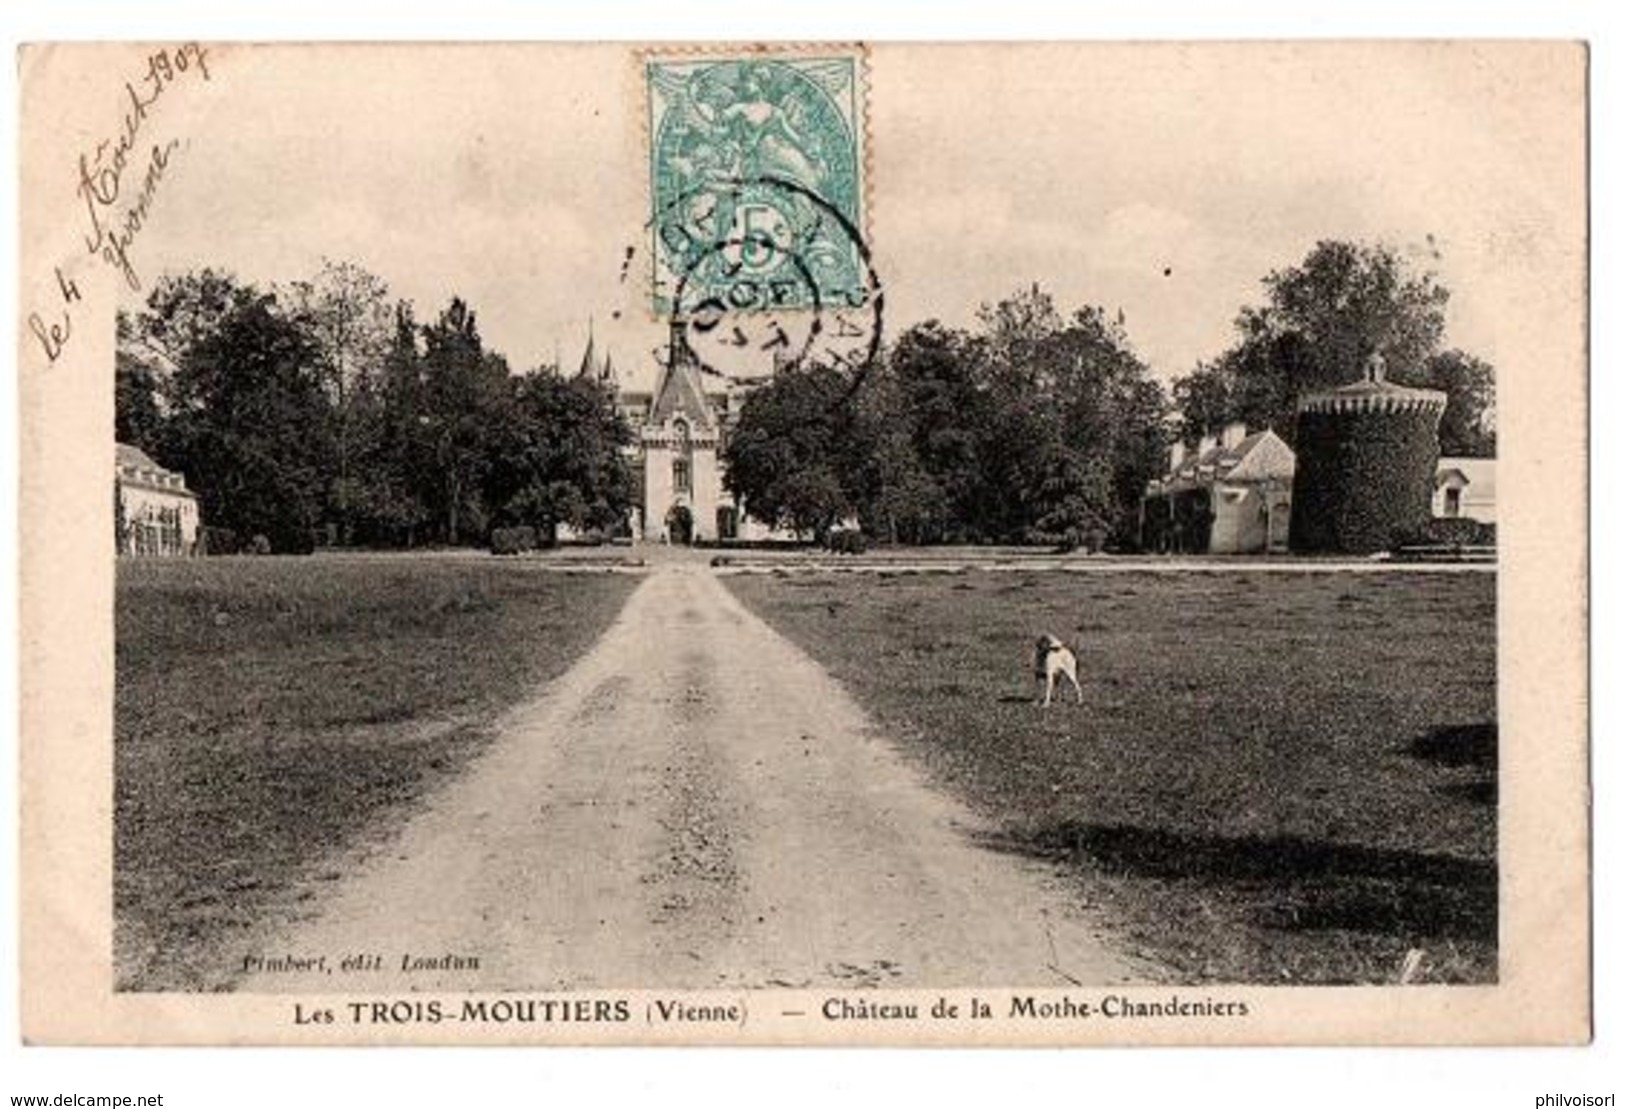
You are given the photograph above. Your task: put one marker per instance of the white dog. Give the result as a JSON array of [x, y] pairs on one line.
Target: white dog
[[1053, 660]]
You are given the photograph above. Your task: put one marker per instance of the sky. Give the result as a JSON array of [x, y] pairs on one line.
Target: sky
[[1163, 181]]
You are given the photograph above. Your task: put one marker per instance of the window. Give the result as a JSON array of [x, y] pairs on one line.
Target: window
[[681, 476]]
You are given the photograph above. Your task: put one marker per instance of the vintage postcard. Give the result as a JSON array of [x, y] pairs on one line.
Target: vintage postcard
[[804, 543]]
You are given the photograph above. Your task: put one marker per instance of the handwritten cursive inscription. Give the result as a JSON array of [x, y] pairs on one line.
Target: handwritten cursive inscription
[[53, 336], [101, 173], [113, 243], [117, 182]]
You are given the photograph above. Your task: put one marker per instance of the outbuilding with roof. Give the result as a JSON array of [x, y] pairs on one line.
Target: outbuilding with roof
[[156, 514], [1232, 494]]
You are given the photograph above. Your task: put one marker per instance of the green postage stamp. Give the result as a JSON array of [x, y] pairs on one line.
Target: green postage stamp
[[756, 167]]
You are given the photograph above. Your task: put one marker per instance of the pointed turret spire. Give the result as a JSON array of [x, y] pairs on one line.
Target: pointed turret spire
[[589, 357], [680, 392]]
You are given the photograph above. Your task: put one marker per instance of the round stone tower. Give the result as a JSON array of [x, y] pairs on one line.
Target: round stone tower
[[1366, 458]]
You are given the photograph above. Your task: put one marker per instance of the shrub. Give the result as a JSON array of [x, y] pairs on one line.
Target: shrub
[[1089, 540], [259, 545], [1453, 531], [848, 541], [218, 541], [509, 541]]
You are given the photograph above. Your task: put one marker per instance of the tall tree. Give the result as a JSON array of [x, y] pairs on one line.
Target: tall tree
[[396, 456], [785, 456], [351, 325], [941, 397], [1204, 399], [559, 456], [1321, 321], [247, 414], [895, 496], [1015, 326], [1099, 416], [1467, 428], [1350, 300], [138, 412], [181, 311], [464, 388]]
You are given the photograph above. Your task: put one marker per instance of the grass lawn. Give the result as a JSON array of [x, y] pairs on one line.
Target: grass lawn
[[1273, 778], [272, 713]]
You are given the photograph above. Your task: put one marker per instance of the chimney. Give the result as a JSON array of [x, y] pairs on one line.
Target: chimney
[[1208, 443], [1176, 456], [1233, 434]]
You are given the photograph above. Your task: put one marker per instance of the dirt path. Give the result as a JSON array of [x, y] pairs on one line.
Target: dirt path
[[695, 804]]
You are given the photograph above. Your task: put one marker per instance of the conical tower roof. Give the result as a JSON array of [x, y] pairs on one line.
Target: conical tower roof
[[1373, 393], [589, 358], [680, 392]]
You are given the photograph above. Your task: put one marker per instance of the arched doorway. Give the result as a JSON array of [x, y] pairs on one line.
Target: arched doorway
[[680, 524]]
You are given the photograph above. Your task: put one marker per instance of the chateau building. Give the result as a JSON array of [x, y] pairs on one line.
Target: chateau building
[[1368, 453], [1465, 488], [156, 513], [1231, 495], [681, 428]]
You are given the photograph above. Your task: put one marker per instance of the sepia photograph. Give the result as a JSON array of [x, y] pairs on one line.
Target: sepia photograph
[[816, 542]]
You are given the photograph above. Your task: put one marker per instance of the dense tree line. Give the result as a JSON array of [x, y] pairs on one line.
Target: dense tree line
[[1035, 427], [325, 412], [1320, 322], [1031, 428]]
